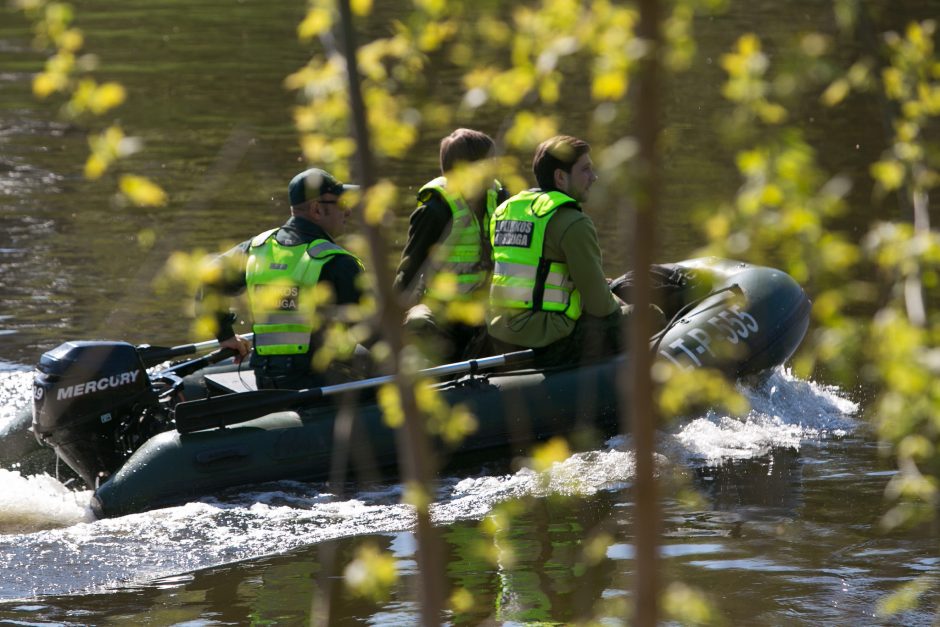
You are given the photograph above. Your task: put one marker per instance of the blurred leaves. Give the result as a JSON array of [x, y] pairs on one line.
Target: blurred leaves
[[873, 302], [781, 213], [690, 606], [911, 80], [747, 85], [141, 191], [906, 597], [66, 71], [544, 456], [682, 391], [371, 574]]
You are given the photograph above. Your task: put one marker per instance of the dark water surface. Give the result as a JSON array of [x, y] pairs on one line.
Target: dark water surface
[[787, 531]]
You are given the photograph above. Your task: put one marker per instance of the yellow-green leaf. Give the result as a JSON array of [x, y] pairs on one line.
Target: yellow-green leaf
[[371, 573], [889, 174], [45, 83], [95, 166], [836, 92], [141, 191], [316, 22], [106, 97], [609, 86], [361, 7]]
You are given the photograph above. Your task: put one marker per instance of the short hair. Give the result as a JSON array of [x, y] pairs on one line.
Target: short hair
[[559, 152], [464, 144]]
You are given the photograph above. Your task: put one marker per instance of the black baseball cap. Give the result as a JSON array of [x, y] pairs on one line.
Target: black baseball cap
[[313, 183]]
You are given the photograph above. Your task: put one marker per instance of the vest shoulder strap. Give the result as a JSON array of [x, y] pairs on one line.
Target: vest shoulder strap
[[321, 249], [261, 238], [547, 203], [438, 184]]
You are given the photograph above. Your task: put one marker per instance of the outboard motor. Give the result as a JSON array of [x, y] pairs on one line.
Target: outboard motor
[[84, 396]]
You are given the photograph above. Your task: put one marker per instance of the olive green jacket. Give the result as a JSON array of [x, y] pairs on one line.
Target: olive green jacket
[[569, 238]]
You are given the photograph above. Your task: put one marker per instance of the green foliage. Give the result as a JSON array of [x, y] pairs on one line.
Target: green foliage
[[911, 80], [689, 606], [747, 86], [681, 391], [371, 574], [874, 322], [906, 597], [68, 71]]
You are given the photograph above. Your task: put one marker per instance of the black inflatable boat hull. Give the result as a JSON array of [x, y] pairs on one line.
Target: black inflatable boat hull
[[754, 320]]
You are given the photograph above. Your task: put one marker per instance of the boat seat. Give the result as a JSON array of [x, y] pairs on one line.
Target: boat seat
[[229, 382]]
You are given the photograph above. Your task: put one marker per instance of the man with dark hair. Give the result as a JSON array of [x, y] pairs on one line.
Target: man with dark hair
[[445, 264], [292, 274], [465, 145], [548, 290]]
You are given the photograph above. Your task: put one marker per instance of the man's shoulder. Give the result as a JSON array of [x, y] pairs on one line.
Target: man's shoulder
[[570, 227], [342, 272], [432, 209], [568, 215], [432, 197], [343, 262]]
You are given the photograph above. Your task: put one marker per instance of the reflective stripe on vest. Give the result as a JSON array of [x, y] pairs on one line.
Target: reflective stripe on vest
[[460, 255], [281, 281], [522, 277]]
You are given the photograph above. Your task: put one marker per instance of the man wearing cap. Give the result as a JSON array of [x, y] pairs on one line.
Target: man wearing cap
[[292, 274]]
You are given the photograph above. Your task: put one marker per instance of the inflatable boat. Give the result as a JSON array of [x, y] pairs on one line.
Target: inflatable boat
[[116, 420]]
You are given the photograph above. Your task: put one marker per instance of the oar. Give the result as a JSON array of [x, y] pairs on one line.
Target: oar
[[238, 407], [153, 355]]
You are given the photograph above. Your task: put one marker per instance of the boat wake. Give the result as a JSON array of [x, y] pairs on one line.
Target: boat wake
[[15, 386], [785, 412], [50, 544], [39, 502]]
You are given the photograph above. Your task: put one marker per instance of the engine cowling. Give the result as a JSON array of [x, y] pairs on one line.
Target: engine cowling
[[82, 393]]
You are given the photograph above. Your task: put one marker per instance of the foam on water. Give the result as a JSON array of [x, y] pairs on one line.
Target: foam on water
[[785, 411], [97, 555], [581, 474], [15, 386], [39, 502]]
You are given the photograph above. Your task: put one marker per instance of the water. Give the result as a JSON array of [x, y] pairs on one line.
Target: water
[[791, 494], [785, 530]]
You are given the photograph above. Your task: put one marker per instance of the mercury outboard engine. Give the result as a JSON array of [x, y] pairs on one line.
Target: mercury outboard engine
[[85, 395]]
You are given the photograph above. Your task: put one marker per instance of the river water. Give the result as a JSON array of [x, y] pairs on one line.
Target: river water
[[786, 527]]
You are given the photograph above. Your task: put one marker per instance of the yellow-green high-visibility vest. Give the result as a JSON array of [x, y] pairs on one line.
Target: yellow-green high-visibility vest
[[281, 280], [461, 254], [522, 277]]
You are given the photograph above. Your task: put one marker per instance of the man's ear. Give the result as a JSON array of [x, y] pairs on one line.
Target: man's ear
[[561, 180]]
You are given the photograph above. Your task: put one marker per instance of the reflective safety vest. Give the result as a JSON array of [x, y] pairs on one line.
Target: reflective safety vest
[[522, 277], [461, 253], [281, 281]]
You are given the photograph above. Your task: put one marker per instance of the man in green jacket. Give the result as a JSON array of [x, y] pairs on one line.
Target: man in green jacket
[[548, 290], [298, 281]]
